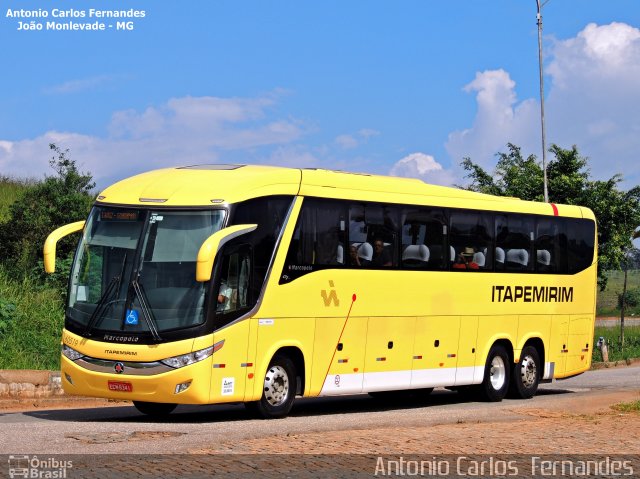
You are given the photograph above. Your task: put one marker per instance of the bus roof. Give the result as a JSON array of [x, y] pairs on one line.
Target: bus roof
[[207, 185]]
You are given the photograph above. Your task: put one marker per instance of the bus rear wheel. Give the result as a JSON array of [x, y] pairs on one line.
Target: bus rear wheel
[[526, 374], [495, 384], [156, 409], [279, 389]]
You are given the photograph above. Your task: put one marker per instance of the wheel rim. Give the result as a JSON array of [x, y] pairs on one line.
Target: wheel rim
[[276, 386], [528, 371], [497, 373]]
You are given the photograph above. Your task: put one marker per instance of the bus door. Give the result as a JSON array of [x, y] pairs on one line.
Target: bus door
[[388, 358], [338, 355], [467, 346], [559, 343], [435, 353], [232, 360], [579, 343]]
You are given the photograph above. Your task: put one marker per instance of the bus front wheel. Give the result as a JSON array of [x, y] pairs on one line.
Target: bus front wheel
[[526, 374], [279, 389], [154, 408], [495, 384]]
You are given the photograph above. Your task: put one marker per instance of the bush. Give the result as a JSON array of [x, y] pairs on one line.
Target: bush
[[40, 209], [631, 298]]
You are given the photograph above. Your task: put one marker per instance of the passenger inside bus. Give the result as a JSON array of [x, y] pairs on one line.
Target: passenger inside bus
[[381, 256], [354, 260], [465, 260]]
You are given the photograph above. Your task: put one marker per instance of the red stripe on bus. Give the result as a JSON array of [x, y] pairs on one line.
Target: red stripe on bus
[[555, 209]]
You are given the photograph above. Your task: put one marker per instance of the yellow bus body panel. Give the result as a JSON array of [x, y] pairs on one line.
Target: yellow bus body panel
[[355, 330]]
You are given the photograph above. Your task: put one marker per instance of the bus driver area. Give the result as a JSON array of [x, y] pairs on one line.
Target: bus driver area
[[232, 283]]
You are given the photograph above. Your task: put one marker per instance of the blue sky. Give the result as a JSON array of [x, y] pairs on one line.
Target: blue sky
[[407, 88]]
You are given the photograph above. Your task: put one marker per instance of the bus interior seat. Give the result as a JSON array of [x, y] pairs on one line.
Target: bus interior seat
[[340, 254], [365, 251], [415, 255], [500, 255], [543, 257], [479, 258], [452, 254], [518, 257]]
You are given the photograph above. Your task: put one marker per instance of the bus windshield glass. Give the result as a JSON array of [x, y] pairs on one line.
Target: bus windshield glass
[[134, 271]]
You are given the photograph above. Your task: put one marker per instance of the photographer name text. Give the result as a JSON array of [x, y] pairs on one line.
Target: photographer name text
[[89, 19]]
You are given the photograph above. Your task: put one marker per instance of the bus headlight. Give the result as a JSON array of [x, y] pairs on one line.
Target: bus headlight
[[71, 353], [187, 359]]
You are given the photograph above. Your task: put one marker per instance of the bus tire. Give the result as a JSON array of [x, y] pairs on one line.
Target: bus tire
[[156, 409], [495, 384], [279, 389], [526, 374]]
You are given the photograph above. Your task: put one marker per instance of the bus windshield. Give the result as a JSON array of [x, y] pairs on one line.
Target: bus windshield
[[134, 270]]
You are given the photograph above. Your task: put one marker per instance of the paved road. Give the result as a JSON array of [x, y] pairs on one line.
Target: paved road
[[615, 323], [121, 429]]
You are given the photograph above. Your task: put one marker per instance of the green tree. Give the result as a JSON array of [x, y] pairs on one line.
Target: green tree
[[41, 208], [569, 182]]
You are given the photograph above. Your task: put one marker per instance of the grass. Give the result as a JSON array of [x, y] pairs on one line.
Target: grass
[[607, 302], [31, 321], [10, 189], [612, 336], [627, 406]]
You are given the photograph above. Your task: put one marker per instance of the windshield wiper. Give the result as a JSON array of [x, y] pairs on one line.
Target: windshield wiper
[[102, 303], [146, 311]]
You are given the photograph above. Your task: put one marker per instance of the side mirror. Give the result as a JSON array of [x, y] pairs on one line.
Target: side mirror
[[212, 245], [49, 250]]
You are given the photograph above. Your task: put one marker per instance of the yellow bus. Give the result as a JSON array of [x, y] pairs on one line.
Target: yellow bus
[[233, 283]]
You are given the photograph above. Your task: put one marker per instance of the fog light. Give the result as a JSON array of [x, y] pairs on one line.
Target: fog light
[[68, 378], [182, 387]]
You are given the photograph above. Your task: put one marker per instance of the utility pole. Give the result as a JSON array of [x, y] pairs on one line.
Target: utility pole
[[624, 300], [544, 143]]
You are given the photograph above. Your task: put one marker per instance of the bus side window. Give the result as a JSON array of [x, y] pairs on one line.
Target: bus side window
[[423, 239], [580, 244], [372, 229], [514, 237], [550, 246], [319, 239], [471, 241], [233, 295]]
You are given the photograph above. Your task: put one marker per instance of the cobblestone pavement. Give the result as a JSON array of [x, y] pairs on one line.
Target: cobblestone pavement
[[554, 424], [592, 428]]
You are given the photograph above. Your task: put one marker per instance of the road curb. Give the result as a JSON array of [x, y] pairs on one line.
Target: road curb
[[29, 384], [615, 364]]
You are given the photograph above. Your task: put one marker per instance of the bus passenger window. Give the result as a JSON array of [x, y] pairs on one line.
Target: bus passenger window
[[423, 239], [233, 292], [318, 241], [372, 230], [580, 244], [514, 237], [471, 241], [550, 246]]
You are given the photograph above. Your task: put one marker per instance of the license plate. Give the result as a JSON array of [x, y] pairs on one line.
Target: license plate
[[120, 386]]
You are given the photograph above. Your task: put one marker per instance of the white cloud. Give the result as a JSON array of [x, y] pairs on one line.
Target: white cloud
[[424, 167], [293, 156], [367, 133], [182, 131], [349, 142], [594, 98], [80, 84], [499, 119], [592, 101]]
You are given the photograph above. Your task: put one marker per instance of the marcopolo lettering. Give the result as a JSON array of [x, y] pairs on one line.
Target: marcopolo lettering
[[531, 294]]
